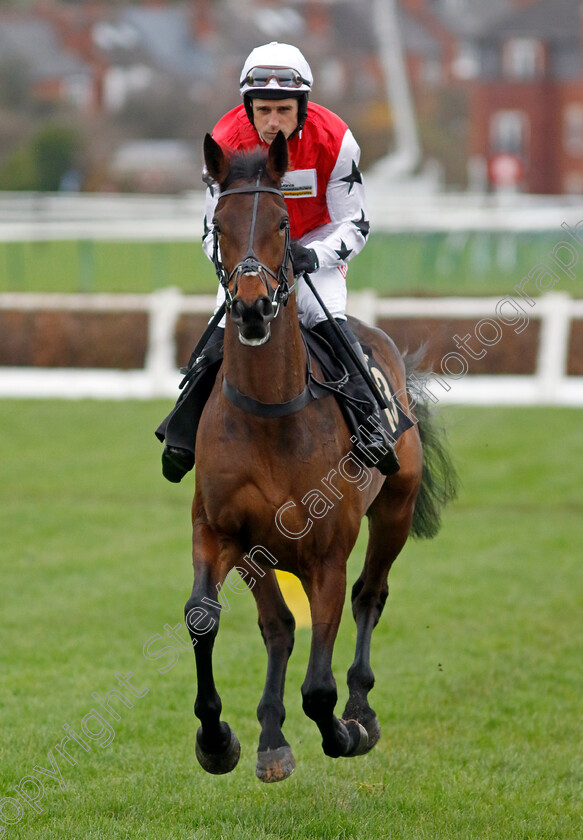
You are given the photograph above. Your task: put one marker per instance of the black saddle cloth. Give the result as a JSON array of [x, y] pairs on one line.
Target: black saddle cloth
[[393, 417]]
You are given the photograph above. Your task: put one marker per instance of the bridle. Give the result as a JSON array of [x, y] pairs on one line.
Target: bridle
[[251, 264]]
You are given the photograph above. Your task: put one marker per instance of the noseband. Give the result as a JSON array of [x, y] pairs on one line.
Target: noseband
[[251, 264]]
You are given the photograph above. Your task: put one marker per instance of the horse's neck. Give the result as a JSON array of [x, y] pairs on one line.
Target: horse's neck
[[274, 372]]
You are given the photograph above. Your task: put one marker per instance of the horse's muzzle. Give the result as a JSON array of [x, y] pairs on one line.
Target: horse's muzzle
[[253, 320]]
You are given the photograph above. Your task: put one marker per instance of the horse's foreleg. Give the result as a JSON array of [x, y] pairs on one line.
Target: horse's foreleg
[[217, 747], [275, 759], [389, 524], [326, 594]]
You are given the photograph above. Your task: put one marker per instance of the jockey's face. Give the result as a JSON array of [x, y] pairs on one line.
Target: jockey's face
[[273, 115]]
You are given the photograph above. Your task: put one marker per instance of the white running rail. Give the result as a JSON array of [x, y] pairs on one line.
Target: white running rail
[[549, 385]]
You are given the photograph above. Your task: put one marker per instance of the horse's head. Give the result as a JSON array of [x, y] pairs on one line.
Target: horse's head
[[251, 235]]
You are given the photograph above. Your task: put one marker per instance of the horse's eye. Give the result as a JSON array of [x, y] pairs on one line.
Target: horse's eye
[[284, 223], [217, 228]]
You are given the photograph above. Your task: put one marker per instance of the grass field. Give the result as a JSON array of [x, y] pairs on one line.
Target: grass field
[[477, 657], [404, 264]]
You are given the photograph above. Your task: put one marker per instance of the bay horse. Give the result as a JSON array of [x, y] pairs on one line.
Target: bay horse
[[250, 467]]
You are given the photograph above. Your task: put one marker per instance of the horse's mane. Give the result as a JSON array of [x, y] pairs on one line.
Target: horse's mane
[[245, 166]]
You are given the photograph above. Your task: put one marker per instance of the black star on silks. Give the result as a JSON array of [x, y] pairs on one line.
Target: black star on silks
[[344, 252], [354, 178], [362, 225]]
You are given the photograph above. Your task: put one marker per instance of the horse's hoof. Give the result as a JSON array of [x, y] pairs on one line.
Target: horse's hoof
[[360, 735], [219, 763], [275, 765], [373, 730]]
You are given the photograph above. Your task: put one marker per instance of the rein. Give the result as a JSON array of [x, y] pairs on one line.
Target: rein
[[251, 264]]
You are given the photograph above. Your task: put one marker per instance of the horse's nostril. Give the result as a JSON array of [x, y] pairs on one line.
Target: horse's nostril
[[237, 310], [260, 310], [264, 307]]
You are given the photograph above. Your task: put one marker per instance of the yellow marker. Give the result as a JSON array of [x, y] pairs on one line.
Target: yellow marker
[[295, 598]]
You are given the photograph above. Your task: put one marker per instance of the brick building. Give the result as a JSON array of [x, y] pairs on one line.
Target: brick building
[[526, 103], [498, 81]]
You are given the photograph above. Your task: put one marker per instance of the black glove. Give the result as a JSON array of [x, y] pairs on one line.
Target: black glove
[[303, 259]]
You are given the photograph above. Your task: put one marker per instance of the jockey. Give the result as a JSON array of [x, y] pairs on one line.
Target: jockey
[[324, 194]]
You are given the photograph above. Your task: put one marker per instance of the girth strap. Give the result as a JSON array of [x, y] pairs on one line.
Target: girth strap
[[312, 391]]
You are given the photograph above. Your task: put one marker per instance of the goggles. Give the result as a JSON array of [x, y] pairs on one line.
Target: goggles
[[286, 77]]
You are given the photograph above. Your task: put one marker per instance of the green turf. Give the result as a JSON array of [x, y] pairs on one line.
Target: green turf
[[404, 264], [477, 657]]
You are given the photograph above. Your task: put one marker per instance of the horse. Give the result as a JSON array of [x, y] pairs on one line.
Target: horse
[[278, 484]]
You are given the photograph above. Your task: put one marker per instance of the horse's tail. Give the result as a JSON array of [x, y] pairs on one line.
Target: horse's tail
[[439, 479]]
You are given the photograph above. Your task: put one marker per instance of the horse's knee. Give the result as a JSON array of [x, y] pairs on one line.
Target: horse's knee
[[279, 632], [367, 601], [202, 620], [357, 588], [289, 624]]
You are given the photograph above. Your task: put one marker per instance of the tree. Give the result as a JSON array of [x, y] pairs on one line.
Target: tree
[[54, 150], [14, 83], [41, 164], [17, 171]]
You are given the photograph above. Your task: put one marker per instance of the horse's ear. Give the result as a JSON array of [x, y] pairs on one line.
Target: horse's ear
[[277, 159], [215, 159]]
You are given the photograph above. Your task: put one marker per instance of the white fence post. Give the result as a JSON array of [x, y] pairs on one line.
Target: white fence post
[[553, 346], [363, 305], [164, 306]]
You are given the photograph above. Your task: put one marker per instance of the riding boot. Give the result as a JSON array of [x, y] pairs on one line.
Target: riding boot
[[177, 460], [373, 442]]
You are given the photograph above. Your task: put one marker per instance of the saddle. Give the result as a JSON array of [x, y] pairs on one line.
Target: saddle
[[180, 427], [393, 418]]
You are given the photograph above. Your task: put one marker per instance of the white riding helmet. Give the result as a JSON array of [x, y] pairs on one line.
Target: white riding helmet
[[295, 76], [276, 71]]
